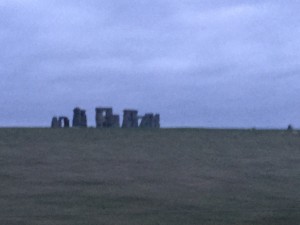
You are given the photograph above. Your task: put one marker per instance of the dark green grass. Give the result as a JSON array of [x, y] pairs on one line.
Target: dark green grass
[[136, 177]]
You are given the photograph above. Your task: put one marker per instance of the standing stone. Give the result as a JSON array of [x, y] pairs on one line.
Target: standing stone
[[83, 119], [106, 119], [64, 122], [54, 122], [130, 119], [149, 120], [79, 118], [100, 118], [76, 117]]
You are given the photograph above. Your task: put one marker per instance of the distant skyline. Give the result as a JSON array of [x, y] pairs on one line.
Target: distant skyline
[[208, 63]]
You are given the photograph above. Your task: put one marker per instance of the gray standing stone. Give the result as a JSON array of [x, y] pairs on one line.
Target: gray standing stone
[[54, 122], [83, 122], [149, 120], [76, 117], [130, 119], [67, 122], [64, 122], [79, 118], [106, 119]]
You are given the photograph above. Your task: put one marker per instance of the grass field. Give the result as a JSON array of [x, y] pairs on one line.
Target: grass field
[[143, 177]]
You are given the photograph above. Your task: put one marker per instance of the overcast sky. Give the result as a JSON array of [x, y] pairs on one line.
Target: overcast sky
[[199, 63]]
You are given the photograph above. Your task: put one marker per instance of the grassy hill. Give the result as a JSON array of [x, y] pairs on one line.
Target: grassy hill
[[143, 177]]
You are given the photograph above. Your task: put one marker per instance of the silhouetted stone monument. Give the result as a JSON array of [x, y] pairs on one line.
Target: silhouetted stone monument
[[105, 118], [130, 119], [54, 122], [149, 120], [79, 118], [64, 122], [61, 122], [83, 119]]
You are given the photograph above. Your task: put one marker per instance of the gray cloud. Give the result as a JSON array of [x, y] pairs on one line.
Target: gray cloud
[[208, 63]]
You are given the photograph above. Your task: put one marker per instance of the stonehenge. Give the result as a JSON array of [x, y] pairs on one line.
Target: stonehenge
[[105, 118]]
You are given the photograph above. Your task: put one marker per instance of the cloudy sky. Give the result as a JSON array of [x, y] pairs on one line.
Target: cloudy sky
[[199, 63]]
